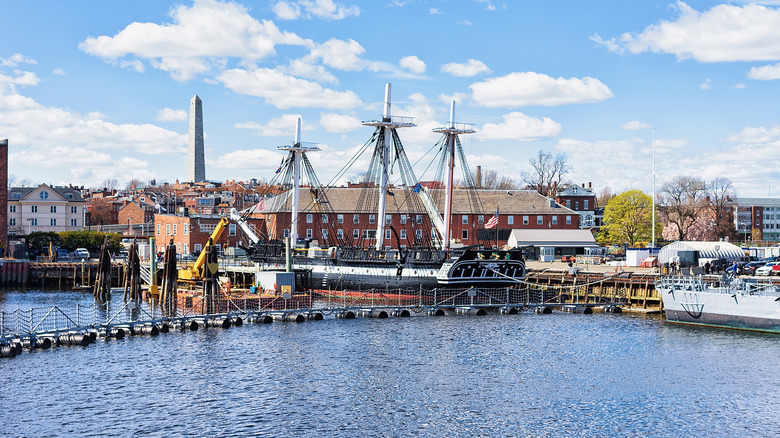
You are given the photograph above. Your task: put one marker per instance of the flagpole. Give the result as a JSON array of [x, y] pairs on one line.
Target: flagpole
[[496, 226]]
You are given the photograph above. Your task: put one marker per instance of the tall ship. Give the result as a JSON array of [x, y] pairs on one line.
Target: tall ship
[[734, 303], [385, 229]]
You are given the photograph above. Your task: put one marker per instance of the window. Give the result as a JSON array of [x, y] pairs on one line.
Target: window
[[198, 247], [12, 209], [525, 220], [324, 218], [355, 218], [175, 226], [158, 229], [34, 209], [403, 234], [387, 235], [340, 218], [17, 195], [356, 234], [418, 234], [568, 220], [419, 218], [309, 233], [555, 220], [464, 219], [585, 204], [34, 222], [481, 219], [577, 205], [53, 209], [388, 218], [568, 203], [184, 228], [44, 194], [340, 233], [403, 218], [232, 230], [369, 234], [185, 249], [309, 218], [53, 222], [510, 220], [167, 229], [74, 223], [371, 218], [465, 235], [539, 220], [12, 221], [324, 234], [73, 209]]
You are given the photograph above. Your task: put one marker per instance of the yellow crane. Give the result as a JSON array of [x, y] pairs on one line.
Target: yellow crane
[[194, 272]]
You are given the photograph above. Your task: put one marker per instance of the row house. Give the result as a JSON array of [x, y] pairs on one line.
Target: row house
[[582, 200], [45, 208], [337, 218]]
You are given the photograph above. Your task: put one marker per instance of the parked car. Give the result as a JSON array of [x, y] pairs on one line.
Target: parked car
[[771, 268], [81, 253], [737, 269], [750, 268]]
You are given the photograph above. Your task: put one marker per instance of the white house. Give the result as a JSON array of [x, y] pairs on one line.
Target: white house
[[45, 208]]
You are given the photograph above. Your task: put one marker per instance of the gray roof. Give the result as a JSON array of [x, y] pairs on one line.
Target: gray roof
[[713, 250], [549, 237], [62, 191], [759, 202], [509, 202]]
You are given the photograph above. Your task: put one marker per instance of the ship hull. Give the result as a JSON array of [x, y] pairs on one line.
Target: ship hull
[[722, 307]]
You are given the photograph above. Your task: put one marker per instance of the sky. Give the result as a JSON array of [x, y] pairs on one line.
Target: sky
[[92, 91]]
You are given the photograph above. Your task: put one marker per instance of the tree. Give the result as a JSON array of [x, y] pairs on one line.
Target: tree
[[100, 214], [604, 196], [135, 184], [680, 201], [491, 180], [547, 173], [91, 240], [628, 219], [110, 183], [721, 197]]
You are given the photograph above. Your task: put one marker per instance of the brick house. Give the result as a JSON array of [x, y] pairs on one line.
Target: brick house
[[582, 200], [191, 233]]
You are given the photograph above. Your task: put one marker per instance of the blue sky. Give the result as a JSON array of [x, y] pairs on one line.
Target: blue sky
[[96, 90]]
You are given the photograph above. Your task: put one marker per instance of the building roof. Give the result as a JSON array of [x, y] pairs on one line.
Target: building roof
[[759, 202], [558, 238], [68, 193], [708, 250], [509, 202]]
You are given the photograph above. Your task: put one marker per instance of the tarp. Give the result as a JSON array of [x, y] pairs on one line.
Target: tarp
[[705, 250], [555, 238]]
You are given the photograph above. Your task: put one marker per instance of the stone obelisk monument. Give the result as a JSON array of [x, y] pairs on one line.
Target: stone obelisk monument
[[196, 165]]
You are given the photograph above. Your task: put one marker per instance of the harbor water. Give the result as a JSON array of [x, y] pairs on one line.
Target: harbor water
[[495, 375]]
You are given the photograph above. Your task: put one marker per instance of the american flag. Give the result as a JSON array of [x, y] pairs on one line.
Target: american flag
[[493, 221]]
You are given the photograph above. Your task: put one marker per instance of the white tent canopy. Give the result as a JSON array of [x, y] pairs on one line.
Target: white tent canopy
[[705, 250]]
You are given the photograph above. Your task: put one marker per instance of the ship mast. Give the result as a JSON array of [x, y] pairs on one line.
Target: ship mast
[[388, 125], [297, 149], [452, 131]]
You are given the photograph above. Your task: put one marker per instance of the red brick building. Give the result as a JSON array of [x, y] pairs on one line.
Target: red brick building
[[191, 233], [518, 209]]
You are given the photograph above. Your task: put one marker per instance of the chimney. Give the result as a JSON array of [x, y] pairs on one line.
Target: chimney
[[589, 185], [479, 177], [583, 185]]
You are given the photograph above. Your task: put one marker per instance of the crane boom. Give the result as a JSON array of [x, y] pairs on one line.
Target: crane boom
[[195, 272]]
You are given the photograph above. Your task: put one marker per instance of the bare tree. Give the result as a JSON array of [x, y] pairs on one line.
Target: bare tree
[[604, 196], [491, 180], [110, 183], [100, 213], [548, 171], [135, 184], [680, 200], [721, 197]]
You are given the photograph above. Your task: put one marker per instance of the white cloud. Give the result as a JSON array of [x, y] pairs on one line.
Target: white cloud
[[284, 91], [413, 64], [634, 125], [15, 60], [339, 54], [171, 115], [740, 86], [306, 70], [520, 127], [282, 126], [756, 135], [59, 72], [472, 67], [256, 160], [434, 11], [765, 73], [706, 85], [529, 88], [325, 9], [187, 47], [724, 33], [488, 5], [22, 78], [340, 123]]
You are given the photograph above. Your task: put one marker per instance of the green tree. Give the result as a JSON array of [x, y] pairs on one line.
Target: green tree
[[628, 219], [92, 240], [38, 242]]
